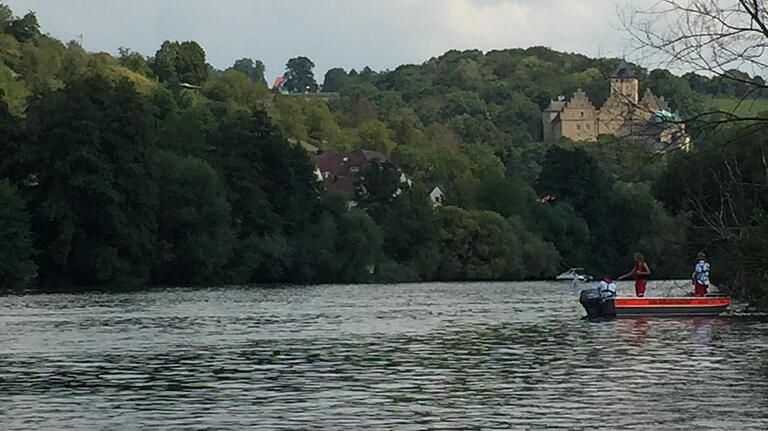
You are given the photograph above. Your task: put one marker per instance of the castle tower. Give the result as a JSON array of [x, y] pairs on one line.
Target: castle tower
[[551, 119], [624, 85]]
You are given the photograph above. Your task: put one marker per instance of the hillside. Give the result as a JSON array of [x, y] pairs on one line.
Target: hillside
[[740, 107], [164, 170]]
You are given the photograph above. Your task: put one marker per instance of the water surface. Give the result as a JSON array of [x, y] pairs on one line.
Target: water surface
[[421, 356]]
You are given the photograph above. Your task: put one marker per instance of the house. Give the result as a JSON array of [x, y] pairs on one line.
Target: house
[[341, 173], [436, 196], [336, 174], [279, 85]]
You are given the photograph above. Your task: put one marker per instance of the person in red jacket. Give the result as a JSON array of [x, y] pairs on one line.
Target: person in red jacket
[[640, 272]]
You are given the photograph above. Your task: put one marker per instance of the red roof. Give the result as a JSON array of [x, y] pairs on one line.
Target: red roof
[[278, 82]]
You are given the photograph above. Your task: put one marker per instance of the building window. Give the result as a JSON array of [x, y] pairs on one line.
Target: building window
[[582, 113], [578, 127], [587, 126]]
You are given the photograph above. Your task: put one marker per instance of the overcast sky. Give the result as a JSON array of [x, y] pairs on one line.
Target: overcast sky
[[381, 34]]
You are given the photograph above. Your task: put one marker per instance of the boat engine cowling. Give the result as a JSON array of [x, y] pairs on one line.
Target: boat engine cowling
[[596, 305]]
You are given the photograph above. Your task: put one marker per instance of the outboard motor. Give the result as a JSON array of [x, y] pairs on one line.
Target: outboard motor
[[596, 305]]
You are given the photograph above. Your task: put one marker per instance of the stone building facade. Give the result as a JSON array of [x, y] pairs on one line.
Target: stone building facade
[[624, 113]]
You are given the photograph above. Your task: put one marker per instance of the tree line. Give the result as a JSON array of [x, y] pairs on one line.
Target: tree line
[[133, 170]]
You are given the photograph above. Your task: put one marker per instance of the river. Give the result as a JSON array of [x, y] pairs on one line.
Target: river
[[408, 357]]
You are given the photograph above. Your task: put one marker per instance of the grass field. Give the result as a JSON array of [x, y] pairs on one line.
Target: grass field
[[742, 108]]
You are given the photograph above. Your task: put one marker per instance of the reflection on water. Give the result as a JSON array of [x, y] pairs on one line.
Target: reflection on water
[[441, 356]]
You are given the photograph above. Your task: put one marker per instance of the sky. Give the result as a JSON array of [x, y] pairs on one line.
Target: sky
[[381, 34]]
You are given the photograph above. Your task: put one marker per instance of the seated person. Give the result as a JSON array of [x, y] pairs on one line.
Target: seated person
[[607, 287]]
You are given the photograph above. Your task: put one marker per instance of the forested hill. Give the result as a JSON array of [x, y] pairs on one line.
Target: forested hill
[[128, 170]]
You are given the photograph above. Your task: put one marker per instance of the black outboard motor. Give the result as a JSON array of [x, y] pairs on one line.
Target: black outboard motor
[[596, 306]]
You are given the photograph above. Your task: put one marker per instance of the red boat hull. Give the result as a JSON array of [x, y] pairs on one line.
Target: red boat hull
[[692, 306]]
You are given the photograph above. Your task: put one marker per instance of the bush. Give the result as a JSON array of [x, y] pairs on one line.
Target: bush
[[16, 249]]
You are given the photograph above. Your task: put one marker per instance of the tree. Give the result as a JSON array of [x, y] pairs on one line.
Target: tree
[[358, 246], [235, 88], [475, 245], [271, 186], [184, 62], [321, 124], [134, 61], [335, 80], [410, 229], [26, 28], [562, 226], [6, 18], [299, 75], [94, 208], [16, 244], [193, 222], [378, 186], [13, 93], [676, 91], [254, 70], [374, 135], [572, 176], [718, 38], [290, 117]]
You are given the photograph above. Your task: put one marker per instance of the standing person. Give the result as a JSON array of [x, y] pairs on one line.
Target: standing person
[[700, 275], [640, 272]]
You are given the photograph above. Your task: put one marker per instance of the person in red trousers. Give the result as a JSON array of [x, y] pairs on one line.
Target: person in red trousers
[[640, 272], [700, 275]]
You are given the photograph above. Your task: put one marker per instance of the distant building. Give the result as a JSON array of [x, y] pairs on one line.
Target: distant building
[[342, 172], [623, 114], [279, 85], [436, 196]]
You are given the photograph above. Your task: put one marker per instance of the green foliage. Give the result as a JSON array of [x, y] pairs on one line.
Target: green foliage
[[720, 189], [6, 17], [572, 176], [177, 63], [359, 246], [16, 245], [137, 182], [335, 80], [375, 135], [562, 226], [93, 210], [237, 89], [476, 245], [194, 221], [289, 117], [749, 107], [134, 61], [322, 126], [676, 91], [13, 91], [299, 75], [26, 28], [254, 70]]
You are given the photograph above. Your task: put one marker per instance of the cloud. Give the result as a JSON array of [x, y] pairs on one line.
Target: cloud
[[348, 33]]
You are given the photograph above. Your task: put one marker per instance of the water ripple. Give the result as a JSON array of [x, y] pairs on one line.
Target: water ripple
[[406, 357]]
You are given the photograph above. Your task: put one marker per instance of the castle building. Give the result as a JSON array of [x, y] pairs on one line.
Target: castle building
[[623, 114]]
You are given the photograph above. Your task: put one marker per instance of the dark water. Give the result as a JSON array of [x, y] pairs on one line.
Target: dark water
[[431, 356]]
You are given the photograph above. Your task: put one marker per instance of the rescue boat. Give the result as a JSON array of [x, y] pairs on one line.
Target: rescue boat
[[707, 306], [602, 307]]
